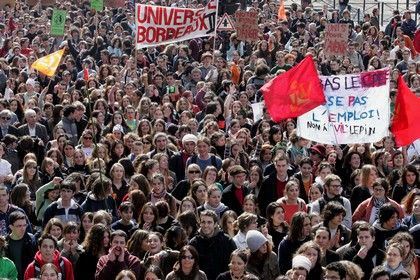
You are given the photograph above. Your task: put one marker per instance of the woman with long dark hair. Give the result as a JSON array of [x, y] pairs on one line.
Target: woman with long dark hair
[[237, 267], [410, 180], [187, 266], [277, 227], [95, 246], [299, 233]]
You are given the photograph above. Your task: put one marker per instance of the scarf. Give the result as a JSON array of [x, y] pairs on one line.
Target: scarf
[[378, 202], [155, 197], [219, 209]]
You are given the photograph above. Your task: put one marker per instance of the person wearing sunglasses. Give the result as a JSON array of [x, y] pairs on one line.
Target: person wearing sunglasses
[[5, 124], [187, 265]]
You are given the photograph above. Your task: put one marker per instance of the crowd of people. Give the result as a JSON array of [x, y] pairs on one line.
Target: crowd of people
[[149, 163]]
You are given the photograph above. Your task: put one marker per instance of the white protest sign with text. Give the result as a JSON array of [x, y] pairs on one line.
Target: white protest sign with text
[[357, 110], [159, 25]]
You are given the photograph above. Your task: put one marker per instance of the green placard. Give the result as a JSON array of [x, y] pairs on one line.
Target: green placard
[[97, 5], [58, 21]]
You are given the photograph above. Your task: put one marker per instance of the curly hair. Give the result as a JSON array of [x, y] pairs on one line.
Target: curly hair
[[93, 242]]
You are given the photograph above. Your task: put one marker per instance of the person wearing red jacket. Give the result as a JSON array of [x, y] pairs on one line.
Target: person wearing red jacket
[[48, 253]]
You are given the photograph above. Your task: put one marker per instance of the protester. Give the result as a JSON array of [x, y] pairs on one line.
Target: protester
[[123, 116]]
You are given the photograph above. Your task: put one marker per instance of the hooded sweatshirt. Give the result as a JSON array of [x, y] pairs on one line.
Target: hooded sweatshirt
[[63, 264], [382, 234]]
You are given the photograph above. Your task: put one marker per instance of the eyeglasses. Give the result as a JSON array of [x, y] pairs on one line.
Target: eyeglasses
[[187, 257], [87, 138], [194, 171], [146, 143], [335, 186]]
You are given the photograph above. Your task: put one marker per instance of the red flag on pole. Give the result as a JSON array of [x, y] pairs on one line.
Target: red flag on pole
[[282, 12], [405, 123], [295, 92]]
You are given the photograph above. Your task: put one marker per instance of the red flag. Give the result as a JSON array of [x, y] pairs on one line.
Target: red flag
[[417, 40], [405, 123], [86, 74], [295, 92], [282, 12]]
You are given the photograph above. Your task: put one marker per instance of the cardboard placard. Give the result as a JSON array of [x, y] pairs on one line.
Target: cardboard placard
[[114, 3], [58, 21], [10, 3], [247, 26], [336, 37], [97, 5]]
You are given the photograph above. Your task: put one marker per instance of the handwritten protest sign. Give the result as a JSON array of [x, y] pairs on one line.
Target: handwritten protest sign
[[114, 3], [357, 110], [247, 26], [159, 25], [58, 21], [9, 3], [336, 36]]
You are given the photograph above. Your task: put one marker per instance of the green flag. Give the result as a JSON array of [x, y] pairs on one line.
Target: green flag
[[58, 21], [97, 5]]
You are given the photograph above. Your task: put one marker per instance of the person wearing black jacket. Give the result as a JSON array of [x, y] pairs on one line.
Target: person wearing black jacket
[[22, 245], [299, 233], [365, 253], [213, 246], [233, 196], [274, 185]]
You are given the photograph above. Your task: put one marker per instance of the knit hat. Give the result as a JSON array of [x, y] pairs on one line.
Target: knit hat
[[318, 149], [189, 138], [254, 240], [301, 261]]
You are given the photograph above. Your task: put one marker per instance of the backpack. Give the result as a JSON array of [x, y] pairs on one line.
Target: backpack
[[37, 269]]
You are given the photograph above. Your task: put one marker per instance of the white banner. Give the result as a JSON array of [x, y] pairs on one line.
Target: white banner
[[158, 25], [357, 110]]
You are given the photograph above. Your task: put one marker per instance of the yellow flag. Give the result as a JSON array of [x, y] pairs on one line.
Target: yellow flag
[[48, 64]]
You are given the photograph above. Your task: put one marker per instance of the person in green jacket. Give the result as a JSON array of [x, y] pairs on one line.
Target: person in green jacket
[[46, 195], [7, 267]]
